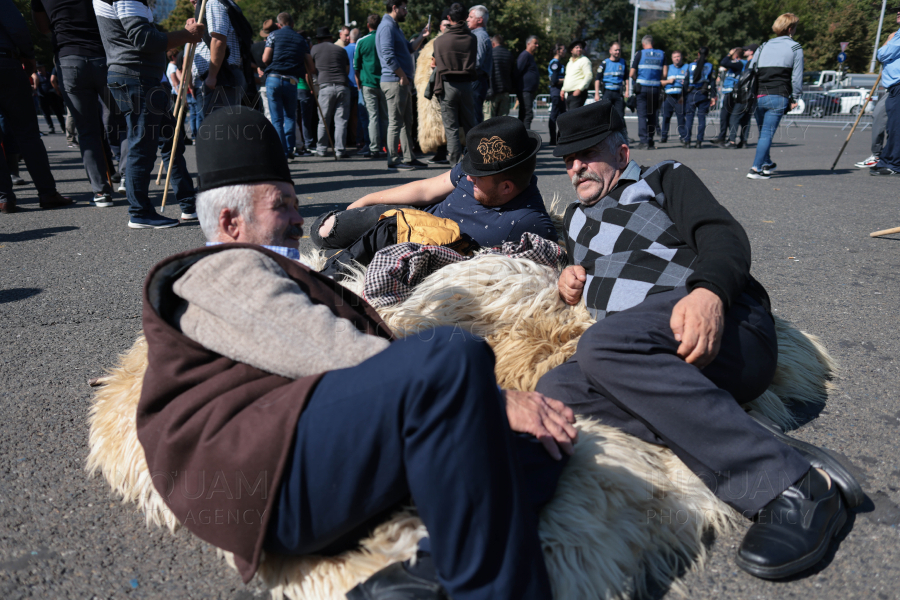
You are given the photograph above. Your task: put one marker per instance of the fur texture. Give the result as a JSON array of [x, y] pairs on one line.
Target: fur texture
[[431, 132]]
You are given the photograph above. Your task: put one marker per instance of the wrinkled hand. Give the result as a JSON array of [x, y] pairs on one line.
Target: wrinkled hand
[[210, 82], [698, 321], [547, 419], [195, 29], [794, 105], [571, 284]]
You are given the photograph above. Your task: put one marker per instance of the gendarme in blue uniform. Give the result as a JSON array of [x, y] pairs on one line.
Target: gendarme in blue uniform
[[613, 72], [731, 78], [679, 74], [649, 71], [491, 226], [704, 77], [557, 71]]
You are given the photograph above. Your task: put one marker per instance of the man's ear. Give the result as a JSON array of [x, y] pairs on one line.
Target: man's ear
[[623, 156], [230, 224]]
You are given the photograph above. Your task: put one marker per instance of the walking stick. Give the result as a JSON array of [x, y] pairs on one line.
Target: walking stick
[[322, 115], [852, 129], [180, 103], [159, 173], [884, 232]]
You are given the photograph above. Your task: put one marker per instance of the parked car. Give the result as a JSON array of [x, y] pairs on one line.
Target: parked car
[[817, 105], [852, 100]]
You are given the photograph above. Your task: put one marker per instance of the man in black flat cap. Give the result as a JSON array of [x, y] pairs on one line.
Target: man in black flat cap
[[683, 338], [491, 193], [263, 370]]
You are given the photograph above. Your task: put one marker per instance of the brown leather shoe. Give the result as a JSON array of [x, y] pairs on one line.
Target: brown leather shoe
[[55, 200], [8, 205]]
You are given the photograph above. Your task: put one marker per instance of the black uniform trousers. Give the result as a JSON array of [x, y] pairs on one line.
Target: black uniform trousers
[[557, 107], [423, 420], [617, 99], [649, 101], [673, 103], [627, 374]]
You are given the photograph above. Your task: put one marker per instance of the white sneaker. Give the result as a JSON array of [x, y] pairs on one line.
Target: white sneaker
[[868, 163], [188, 216], [103, 200], [754, 174], [121, 186]]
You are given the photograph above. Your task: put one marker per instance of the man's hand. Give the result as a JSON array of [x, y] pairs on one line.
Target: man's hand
[[596, 96], [404, 80], [793, 105], [547, 419], [698, 322], [576, 93], [571, 284], [427, 31], [562, 94], [30, 66], [210, 81], [195, 29], [358, 204]]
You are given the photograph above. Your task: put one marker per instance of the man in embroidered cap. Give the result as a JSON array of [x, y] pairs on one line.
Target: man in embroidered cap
[[272, 382], [683, 338], [491, 193]]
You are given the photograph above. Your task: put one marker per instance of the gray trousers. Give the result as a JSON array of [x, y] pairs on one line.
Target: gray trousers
[[335, 102], [400, 120], [84, 79], [377, 108], [498, 106], [879, 124], [457, 110]]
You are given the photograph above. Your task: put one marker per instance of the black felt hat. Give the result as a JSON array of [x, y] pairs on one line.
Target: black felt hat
[[323, 32], [235, 145], [581, 43], [587, 126], [498, 144]]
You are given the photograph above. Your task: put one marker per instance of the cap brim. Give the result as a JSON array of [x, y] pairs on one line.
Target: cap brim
[[578, 145], [468, 169]]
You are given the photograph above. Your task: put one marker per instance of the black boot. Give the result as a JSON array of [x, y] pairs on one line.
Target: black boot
[[402, 581], [12, 163], [793, 532]]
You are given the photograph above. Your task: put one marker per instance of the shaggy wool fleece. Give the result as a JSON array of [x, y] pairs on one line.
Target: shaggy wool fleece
[[626, 514], [431, 134]]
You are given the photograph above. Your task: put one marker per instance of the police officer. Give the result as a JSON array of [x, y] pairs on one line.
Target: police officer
[[733, 65], [673, 101], [557, 71], [700, 79], [610, 79], [648, 70]]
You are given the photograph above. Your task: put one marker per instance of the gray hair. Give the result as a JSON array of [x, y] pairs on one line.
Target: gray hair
[[647, 39], [481, 12], [354, 35], [611, 144], [236, 198], [530, 37]]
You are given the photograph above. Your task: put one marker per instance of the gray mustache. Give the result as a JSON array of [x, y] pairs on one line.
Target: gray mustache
[[585, 175]]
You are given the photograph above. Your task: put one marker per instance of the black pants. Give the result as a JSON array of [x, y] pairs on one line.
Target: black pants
[[573, 102], [672, 104], [52, 104], [349, 225], [618, 101], [649, 101], [557, 107], [479, 94], [423, 419], [626, 373], [526, 108]]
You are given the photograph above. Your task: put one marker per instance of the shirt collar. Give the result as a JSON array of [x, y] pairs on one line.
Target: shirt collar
[[291, 253], [631, 174]]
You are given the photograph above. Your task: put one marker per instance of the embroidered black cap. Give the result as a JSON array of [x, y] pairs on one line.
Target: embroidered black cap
[[236, 144], [498, 144], [586, 126], [322, 32]]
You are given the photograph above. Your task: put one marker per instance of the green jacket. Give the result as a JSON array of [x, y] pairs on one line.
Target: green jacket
[[366, 63]]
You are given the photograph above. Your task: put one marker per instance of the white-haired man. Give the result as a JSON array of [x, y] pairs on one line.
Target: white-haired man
[[261, 369], [484, 60], [683, 338]]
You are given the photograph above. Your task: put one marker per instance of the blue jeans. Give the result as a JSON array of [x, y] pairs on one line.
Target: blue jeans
[[697, 103], [223, 95], [282, 96], [362, 123], [769, 110], [21, 124], [147, 108], [435, 430], [479, 94], [890, 153], [195, 115]]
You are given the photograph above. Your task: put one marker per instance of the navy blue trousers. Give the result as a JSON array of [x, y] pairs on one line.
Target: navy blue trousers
[[627, 374], [890, 153], [423, 420], [696, 103], [673, 103], [649, 101]]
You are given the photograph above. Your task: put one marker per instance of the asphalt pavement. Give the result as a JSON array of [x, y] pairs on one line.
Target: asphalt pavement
[[70, 289]]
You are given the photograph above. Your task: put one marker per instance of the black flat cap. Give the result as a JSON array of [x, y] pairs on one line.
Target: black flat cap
[[235, 145], [587, 126]]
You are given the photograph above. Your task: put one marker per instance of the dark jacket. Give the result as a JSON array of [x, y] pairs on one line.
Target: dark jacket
[[216, 433], [504, 79], [454, 56]]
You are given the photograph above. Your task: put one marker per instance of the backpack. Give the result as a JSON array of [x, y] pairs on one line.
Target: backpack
[[244, 33], [747, 86]]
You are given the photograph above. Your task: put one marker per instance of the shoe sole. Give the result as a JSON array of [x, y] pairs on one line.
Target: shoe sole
[[103, 204], [802, 563], [757, 176], [141, 226], [820, 458]]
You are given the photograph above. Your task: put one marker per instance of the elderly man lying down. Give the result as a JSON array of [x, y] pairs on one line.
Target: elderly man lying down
[[491, 194], [684, 336], [288, 401]]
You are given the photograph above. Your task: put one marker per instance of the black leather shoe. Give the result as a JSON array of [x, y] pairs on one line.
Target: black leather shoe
[[400, 581], [883, 171], [792, 532], [697, 144], [819, 458], [685, 144]]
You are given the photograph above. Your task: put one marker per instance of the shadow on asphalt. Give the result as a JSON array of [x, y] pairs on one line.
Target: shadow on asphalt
[[16, 294], [35, 234], [809, 172]]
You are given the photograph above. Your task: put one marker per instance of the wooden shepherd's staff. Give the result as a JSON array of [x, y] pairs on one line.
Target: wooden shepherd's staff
[[180, 103], [852, 129]]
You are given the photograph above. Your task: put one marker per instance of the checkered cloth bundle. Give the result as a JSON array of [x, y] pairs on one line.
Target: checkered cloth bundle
[[397, 269]]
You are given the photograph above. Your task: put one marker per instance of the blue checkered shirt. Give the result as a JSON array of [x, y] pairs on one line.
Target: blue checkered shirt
[[216, 21], [291, 253]]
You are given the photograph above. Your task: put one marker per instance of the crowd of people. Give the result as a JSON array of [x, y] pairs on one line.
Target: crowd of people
[[279, 358]]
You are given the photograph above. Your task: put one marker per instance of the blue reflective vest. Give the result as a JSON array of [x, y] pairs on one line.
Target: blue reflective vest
[[731, 78], [557, 71], [649, 71], [678, 73], [704, 76], [613, 74]]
